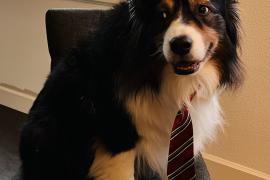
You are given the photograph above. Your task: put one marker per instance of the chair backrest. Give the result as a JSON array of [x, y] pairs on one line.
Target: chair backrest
[[65, 27]]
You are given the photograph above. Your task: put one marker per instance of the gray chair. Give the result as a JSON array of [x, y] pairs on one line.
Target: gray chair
[[66, 27]]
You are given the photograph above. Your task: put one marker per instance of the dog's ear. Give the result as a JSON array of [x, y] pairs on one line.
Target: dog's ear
[[232, 21], [146, 9], [233, 73]]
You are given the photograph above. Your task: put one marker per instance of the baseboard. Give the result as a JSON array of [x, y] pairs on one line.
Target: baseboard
[[16, 99], [222, 169]]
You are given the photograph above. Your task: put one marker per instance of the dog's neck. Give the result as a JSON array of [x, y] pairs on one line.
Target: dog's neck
[[153, 115]]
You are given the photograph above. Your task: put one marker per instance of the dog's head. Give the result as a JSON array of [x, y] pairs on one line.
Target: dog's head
[[192, 33]]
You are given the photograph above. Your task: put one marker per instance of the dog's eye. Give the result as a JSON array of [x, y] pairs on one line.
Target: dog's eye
[[203, 10]]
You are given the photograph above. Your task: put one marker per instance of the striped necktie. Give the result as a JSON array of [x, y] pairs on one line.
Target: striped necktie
[[181, 155]]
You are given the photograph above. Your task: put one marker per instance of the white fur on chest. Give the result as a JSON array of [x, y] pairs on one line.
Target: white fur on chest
[[153, 115]]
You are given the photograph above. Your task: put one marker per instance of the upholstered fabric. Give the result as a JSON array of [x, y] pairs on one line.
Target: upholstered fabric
[[10, 124], [65, 28]]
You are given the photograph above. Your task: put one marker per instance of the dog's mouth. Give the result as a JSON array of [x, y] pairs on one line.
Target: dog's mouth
[[186, 67]]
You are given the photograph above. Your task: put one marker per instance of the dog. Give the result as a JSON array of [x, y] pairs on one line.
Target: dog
[[106, 111]]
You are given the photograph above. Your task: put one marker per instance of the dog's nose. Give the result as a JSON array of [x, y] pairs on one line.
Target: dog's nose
[[181, 45]]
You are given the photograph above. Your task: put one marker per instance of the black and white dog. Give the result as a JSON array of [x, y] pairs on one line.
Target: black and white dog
[[106, 112]]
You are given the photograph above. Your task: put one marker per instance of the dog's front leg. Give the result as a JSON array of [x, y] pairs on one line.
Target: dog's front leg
[[113, 167]]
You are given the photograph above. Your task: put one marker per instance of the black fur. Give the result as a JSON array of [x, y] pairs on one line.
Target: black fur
[[79, 106]]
